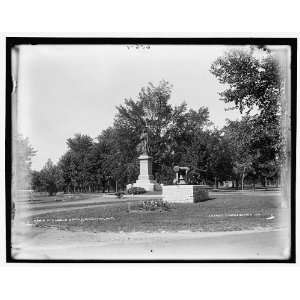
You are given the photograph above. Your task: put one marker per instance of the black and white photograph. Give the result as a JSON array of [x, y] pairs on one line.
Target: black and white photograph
[[150, 149]]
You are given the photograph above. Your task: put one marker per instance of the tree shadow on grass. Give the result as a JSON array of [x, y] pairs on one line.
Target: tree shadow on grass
[[205, 200]]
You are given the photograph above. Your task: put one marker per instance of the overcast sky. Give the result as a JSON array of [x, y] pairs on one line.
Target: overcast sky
[[66, 89]]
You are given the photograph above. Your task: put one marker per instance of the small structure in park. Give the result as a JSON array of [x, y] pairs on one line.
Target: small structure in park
[[180, 191], [146, 179], [181, 175]]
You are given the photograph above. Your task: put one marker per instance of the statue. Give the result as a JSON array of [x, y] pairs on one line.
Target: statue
[[145, 179], [181, 175], [144, 144]]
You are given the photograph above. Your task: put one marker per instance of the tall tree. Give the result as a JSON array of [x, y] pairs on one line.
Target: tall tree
[[67, 165], [75, 163], [50, 178], [220, 161], [253, 84], [239, 136], [253, 81], [169, 128], [109, 159], [23, 152]]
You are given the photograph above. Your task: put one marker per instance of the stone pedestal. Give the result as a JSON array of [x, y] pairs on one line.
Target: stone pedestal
[[145, 179], [185, 193]]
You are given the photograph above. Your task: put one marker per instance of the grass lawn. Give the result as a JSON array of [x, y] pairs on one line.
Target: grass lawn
[[37, 198], [223, 213]]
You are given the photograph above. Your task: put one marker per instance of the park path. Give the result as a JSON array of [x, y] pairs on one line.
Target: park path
[[54, 244]]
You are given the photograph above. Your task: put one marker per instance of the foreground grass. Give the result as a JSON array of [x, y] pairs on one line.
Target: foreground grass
[[37, 198], [224, 213]]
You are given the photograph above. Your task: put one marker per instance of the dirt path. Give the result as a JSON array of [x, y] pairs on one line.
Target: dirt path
[[55, 244], [27, 211]]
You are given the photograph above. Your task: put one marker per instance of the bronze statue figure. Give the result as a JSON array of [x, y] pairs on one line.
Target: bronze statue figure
[[144, 144]]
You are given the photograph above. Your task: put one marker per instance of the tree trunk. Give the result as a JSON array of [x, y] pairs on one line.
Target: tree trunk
[[243, 182], [243, 177]]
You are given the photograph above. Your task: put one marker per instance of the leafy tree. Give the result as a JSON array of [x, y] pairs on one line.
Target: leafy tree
[[208, 155], [109, 158], [36, 182], [220, 161], [77, 162], [169, 128], [267, 148], [49, 179], [80, 143], [253, 84], [151, 111], [238, 135], [23, 152], [67, 165]]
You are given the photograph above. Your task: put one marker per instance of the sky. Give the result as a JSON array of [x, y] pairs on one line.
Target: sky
[[68, 89]]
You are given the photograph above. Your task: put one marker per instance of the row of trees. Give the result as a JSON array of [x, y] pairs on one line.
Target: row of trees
[[247, 149]]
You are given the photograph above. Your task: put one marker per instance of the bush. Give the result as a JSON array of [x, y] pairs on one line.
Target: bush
[[136, 190], [155, 204]]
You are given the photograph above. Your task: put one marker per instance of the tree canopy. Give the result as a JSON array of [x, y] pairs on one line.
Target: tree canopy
[[253, 81], [49, 179], [253, 85]]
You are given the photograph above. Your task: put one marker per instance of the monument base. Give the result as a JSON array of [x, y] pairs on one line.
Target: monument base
[[149, 185], [185, 193], [145, 179]]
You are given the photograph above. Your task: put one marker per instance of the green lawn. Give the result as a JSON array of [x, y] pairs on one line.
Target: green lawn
[[224, 213], [44, 198]]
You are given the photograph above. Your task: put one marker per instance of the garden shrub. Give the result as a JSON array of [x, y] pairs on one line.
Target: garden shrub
[[136, 190], [155, 204]]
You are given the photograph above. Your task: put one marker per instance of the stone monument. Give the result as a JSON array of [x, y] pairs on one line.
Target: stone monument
[[180, 191], [145, 179]]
